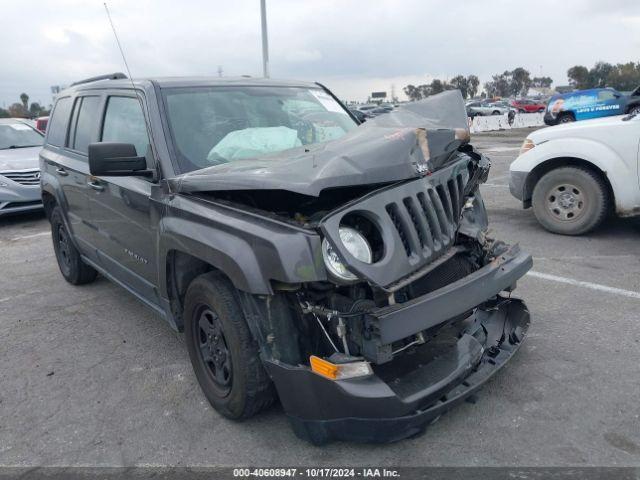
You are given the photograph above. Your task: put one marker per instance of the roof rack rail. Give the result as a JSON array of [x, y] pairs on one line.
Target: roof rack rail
[[108, 76]]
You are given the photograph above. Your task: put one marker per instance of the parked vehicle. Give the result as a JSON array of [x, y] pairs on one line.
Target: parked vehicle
[[525, 105], [575, 174], [19, 173], [485, 108], [366, 108], [41, 124], [588, 104], [379, 111], [344, 269]]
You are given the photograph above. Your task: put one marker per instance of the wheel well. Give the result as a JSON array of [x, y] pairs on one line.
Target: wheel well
[[632, 106], [182, 269], [49, 202], [568, 113], [545, 167]]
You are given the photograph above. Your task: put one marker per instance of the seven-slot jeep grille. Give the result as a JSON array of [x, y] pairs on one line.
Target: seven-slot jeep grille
[[417, 220], [427, 221]]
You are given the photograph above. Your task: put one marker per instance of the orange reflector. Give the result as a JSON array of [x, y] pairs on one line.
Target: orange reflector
[[324, 368]]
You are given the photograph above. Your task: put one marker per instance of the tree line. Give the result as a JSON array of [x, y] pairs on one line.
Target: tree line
[[621, 76], [468, 86], [23, 109], [518, 82], [514, 83]]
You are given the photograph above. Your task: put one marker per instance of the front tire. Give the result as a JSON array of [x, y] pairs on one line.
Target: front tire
[[570, 200], [635, 110], [566, 118], [73, 269], [224, 355]]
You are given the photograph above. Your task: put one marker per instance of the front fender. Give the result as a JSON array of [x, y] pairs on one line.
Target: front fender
[[251, 250], [621, 175]]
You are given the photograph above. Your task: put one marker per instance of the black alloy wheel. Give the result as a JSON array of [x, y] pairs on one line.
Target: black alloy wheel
[[214, 352]]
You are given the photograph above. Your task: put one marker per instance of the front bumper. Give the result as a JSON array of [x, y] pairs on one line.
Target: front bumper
[[377, 409], [15, 198], [405, 395], [517, 182]]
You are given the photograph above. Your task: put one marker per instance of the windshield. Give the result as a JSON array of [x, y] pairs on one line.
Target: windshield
[[216, 125], [18, 135]]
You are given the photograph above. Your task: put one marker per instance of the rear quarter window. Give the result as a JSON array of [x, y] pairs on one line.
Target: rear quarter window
[[57, 130]]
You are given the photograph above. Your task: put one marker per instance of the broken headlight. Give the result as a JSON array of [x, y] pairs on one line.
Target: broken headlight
[[356, 245]]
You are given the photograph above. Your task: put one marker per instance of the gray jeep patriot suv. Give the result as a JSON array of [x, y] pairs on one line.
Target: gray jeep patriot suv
[[345, 269]]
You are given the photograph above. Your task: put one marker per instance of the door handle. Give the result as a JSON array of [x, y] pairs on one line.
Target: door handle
[[96, 186], [62, 172]]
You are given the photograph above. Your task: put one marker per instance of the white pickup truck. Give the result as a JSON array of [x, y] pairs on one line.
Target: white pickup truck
[[574, 175]]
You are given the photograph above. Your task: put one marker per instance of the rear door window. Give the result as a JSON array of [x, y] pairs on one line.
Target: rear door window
[[84, 123], [606, 95], [124, 123], [58, 125]]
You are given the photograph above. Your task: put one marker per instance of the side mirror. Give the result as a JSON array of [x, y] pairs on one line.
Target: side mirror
[[116, 159]]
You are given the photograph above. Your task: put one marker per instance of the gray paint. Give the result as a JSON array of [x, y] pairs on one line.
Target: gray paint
[[392, 147]]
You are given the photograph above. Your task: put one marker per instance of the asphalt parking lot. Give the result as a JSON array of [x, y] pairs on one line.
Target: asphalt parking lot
[[90, 376]]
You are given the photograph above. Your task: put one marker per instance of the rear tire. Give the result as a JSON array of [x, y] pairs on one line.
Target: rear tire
[[570, 200], [224, 355], [566, 118], [73, 269]]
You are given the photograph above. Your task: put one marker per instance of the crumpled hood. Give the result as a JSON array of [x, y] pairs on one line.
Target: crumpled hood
[[411, 141], [19, 159]]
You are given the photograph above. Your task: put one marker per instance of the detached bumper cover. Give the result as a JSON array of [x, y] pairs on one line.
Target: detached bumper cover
[[377, 409], [402, 320], [411, 391]]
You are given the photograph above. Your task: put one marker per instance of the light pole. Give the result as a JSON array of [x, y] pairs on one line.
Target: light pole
[[265, 41]]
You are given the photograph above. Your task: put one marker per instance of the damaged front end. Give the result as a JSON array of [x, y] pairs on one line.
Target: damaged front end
[[404, 328], [413, 311]]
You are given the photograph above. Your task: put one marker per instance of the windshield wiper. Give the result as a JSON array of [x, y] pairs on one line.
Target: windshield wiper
[[11, 147]]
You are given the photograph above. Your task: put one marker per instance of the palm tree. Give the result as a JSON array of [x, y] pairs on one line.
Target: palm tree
[[24, 98]]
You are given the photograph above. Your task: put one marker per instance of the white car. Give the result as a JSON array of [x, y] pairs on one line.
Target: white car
[[485, 109], [574, 174]]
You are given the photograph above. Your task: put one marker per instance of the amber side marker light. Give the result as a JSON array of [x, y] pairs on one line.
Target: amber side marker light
[[526, 145], [339, 371]]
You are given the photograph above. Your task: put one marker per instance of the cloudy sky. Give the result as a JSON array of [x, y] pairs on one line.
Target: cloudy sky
[[352, 46]]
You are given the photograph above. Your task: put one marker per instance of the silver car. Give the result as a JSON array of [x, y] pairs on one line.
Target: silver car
[[486, 108], [20, 145]]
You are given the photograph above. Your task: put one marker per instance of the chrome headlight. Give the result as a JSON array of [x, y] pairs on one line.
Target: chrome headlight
[[356, 245]]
